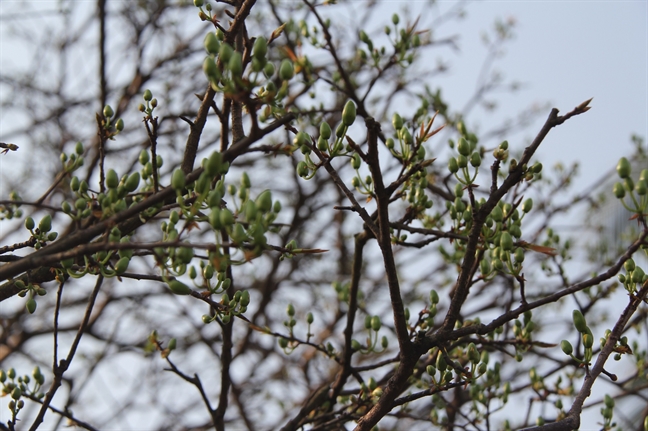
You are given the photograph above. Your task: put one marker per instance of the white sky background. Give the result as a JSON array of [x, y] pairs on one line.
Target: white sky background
[[564, 52]]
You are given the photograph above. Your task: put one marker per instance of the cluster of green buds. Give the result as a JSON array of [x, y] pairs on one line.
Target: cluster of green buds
[[11, 210], [229, 308], [245, 226], [19, 386], [43, 234], [33, 290], [81, 208], [147, 170], [404, 40], [586, 335], [113, 200], [342, 291], [103, 261], [621, 347], [150, 103], [111, 125], [205, 15], [301, 30], [410, 150], [523, 331], [307, 167], [403, 44], [224, 67], [253, 219], [289, 343], [431, 311], [372, 324], [638, 192], [154, 343], [74, 161], [607, 411], [502, 232], [370, 391], [468, 154], [635, 276], [478, 390], [501, 154], [442, 368]]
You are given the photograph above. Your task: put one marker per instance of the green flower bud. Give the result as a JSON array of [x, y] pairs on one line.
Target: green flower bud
[[264, 201], [497, 213], [31, 307], [389, 143], [340, 130], [112, 180], [485, 267], [623, 168], [453, 166], [325, 130], [260, 48], [108, 111], [579, 321], [286, 70], [462, 161], [29, 223], [210, 69], [290, 310], [122, 265], [376, 324], [119, 125], [629, 265], [349, 113], [506, 241], [441, 363], [397, 121], [527, 205], [519, 254], [463, 147], [226, 217], [178, 180], [536, 168], [302, 169], [395, 19], [199, 3], [269, 70], [406, 136], [184, 254], [16, 393], [78, 149], [473, 353], [132, 182], [144, 157], [356, 161], [638, 275], [588, 341], [475, 159], [641, 187], [172, 344], [300, 139], [225, 52], [619, 191], [238, 234], [179, 288], [309, 318], [45, 224], [235, 64], [212, 45]]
